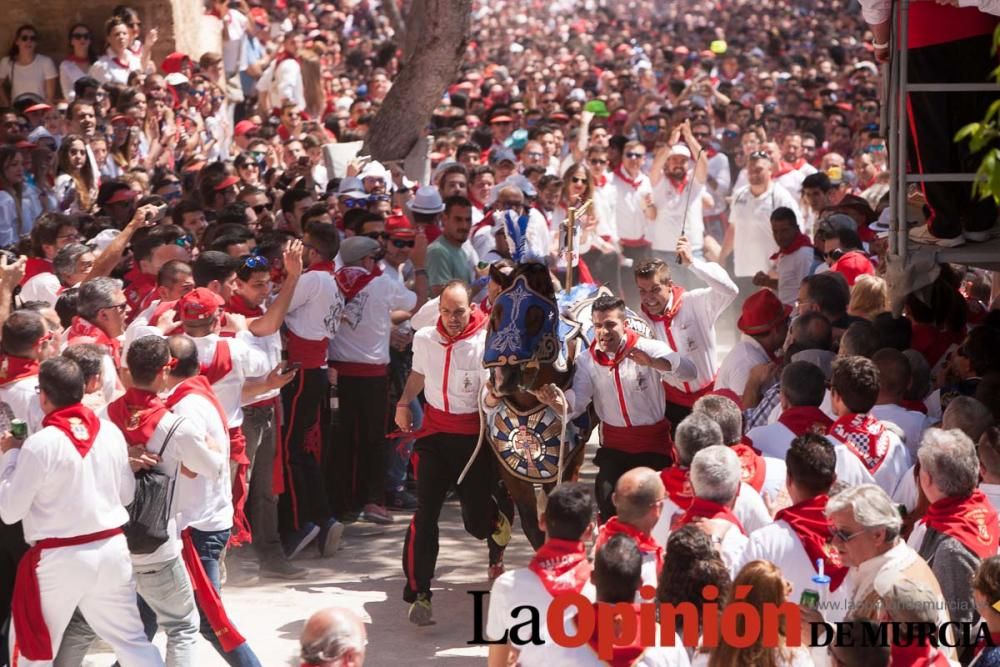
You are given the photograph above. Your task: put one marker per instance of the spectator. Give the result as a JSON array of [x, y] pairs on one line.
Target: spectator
[[24, 71], [869, 297], [19, 203], [119, 62], [77, 64]]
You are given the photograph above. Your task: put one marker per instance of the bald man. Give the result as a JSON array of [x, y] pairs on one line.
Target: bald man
[[638, 500], [334, 637]]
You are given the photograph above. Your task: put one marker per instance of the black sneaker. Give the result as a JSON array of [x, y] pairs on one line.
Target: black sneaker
[[400, 501], [329, 538], [300, 539]]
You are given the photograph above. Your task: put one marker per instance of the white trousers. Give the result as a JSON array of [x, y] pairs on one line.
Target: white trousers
[[97, 578]]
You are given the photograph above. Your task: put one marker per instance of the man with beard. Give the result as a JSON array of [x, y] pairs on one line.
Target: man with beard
[[449, 257], [793, 168]]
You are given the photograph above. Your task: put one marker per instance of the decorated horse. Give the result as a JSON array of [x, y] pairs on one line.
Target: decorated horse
[[532, 340]]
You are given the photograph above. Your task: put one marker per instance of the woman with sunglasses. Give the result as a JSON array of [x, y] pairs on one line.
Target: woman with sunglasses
[[24, 71], [76, 182], [577, 189], [18, 200], [119, 62], [81, 58]]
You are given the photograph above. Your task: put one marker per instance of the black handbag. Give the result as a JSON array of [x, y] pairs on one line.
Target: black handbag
[[149, 513]]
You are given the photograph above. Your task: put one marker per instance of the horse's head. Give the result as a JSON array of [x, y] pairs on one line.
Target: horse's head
[[522, 339]]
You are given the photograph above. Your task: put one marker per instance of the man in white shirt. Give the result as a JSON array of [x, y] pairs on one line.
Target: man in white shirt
[[282, 80], [793, 167], [715, 481], [25, 343], [69, 484], [313, 318], [854, 390], [764, 325], [694, 434], [800, 534], [559, 566], [448, 368], [632, 207], [894, 380], [748, 237], [623, 373], [677, 195], [360, 354], [52, 231], [638, 501], [795, 259], [685, 320]]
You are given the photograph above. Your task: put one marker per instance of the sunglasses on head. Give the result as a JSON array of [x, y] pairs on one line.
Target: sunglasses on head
[[402, 243], [255, 262]]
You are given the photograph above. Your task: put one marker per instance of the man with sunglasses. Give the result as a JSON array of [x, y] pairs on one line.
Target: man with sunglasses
[[632, 206], [152, 247]]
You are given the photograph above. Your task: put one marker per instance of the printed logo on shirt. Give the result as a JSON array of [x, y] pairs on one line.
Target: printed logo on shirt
[[354, 309], [78, 429], [332, 319]]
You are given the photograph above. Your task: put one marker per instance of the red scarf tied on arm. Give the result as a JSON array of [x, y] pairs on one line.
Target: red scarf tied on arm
[[561, 565], [353, 279], [706, 509], [865, 436], [644, 541], [971, 520], [804, 419], [137, 413], [808, 520], [80, 425], [801, 241]]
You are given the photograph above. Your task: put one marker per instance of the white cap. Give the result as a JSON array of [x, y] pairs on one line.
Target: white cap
[[680, 149], [176, 79]]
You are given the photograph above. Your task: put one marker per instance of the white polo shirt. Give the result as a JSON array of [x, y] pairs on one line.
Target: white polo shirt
[[630, 221], [750, 215]]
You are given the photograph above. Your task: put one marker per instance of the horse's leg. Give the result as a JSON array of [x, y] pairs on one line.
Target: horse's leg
[[571, 471], [523, 495]]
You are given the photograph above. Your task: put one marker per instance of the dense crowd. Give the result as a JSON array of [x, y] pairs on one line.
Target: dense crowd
[[232, 339]]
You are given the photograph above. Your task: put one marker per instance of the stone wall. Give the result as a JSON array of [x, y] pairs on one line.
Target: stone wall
[[181, 24]]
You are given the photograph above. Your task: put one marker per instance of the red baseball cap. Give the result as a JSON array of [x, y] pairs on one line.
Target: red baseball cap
[[122, 118], [37, 107], [852, 265], [502, 118], [762, 312], [399, 226], [259, 16], [199, 304], [244, 127], [228, 181]]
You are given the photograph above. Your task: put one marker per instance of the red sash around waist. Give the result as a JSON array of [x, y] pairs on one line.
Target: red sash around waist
[[647, 438], [33, 641], [309, 353]]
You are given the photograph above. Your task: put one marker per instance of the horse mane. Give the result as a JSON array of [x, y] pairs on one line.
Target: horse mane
[[538, 277]]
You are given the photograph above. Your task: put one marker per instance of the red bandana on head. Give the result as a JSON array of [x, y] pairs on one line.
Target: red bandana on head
[[137, 413], [706, 509], [644, 541], [561, 565], [808, 520], [13, 368], [353, 279], [865, 436], [804, 419], [970, 520], [80, 425]]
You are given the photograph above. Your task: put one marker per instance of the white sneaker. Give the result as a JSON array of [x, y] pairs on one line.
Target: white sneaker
[[922, 234], [983, 236]]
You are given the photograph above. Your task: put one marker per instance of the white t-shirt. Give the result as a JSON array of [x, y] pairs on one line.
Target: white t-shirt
[[29, 78], [753, 242], [69, 72], [363, 336], [670, 217], [735, 369], [235, 38]]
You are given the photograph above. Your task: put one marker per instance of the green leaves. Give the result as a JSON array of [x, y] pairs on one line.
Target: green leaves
[[984, 136]]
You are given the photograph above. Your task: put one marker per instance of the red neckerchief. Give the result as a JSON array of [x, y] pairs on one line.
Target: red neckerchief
[[668, 314], [970, 520], [14, 368], [801, 241], [915, 405], [137, 413], [808, 520], [221, 364], [710, 152], [633, 183], [561, 566], [706, 509], [804, 419], [753, 468], [353, 279], [644, 541], [917, 655], [601, 181], [199, 386], [477, 321], [622, 655], [631, 338], [679, 187], [240, 306], [327, 265], [785, 167], [865, 436], [33, 267], [476, 203], [281, 57], [139, 288], [982, 644], [159, 311], [80, 425], [677, 482], [82, 331], [225, 18], [74, 59]]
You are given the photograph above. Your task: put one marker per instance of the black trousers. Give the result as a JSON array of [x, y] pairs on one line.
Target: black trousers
[[935, 119], [306, 440], [612, 464], [358, 457], [675, 414], [12, 548], [440, 460]]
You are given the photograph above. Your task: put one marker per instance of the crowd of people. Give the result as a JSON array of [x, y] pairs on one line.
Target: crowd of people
[[195, 299]]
